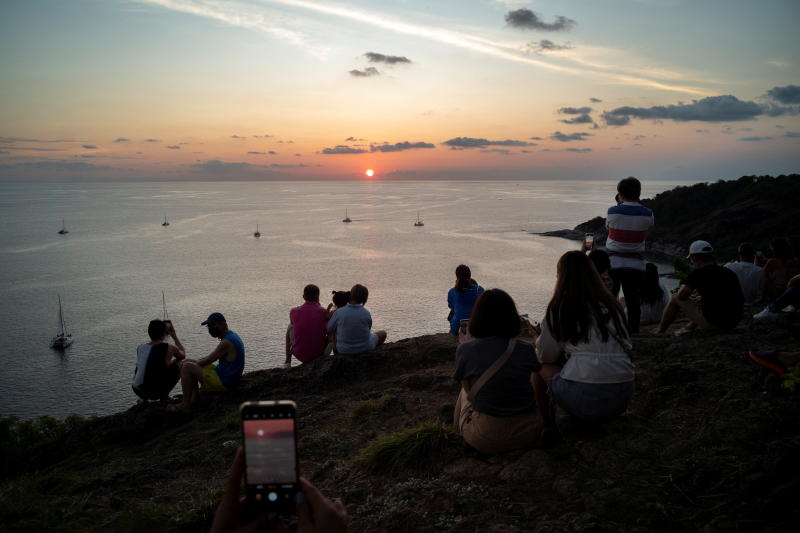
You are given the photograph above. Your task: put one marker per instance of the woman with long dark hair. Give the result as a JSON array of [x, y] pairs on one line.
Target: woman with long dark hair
[[497, 408], [585, 324], [462, 297], [653, 297]]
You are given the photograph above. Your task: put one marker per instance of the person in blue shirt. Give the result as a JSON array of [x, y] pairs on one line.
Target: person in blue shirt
[[462, 297], [352, 324], [229, 356]]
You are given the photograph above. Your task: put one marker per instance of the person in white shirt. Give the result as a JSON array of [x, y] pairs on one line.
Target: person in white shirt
[[751, 276], [585, 323]]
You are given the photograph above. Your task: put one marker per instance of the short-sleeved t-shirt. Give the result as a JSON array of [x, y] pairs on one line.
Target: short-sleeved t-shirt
[[352, 324], [509, 391], [308, 331], [722, 301], [462, 302]]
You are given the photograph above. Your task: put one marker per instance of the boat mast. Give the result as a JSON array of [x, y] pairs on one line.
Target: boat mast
[[61, 317], [164, 305]]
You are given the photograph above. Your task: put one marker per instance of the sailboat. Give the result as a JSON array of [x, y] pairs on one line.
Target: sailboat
[[418, 223], [63, 339], [257, 234], [63, 230], [165, 223], [346, 218]]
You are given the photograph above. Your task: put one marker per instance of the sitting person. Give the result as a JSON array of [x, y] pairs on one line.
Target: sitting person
[[790, 297], [602, 263], [462, 297], [781, 267], [352, 324], [751, 276], [497, 409], [585, 322], [721, 301], [306, 336], [157, 369], [654, 296], [229, 356], [338, 300]]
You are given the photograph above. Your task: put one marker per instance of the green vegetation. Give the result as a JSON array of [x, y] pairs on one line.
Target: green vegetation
[[370, 408], [414, 448], [20, 437]]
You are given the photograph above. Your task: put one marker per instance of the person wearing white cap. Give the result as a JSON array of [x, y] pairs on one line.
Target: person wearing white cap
[[720, 302]]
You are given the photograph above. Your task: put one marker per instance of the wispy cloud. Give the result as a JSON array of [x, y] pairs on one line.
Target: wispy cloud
[[567, 137], [399, 147], [342, 149], [375, 57], [366, 73], [250, 17], [121, 140], [475, 142]]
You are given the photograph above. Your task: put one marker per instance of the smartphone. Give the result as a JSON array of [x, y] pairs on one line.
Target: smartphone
[[588, 239], [463, 324], [269, 433]]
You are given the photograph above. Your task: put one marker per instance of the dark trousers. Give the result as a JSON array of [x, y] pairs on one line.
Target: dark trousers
[[631, 282], [790, 296]]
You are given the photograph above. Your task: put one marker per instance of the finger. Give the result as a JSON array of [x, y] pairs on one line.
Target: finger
[[313, 496], [235, 479]]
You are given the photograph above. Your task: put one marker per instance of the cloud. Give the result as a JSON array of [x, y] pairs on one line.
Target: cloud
[[121, 140], [284, 165], [67, 166], [502, 151], [173, 147], [217, 166], [366, 73], [472, 142], [792, 134], [701, 131], [342, 149], [789, 94], [639, 137], [574, 110], [272, 152], [546, 45], [754, 139], [564, 137], [399, 147], [528, 20], [595, 100], [579, 150], [353, 139], [711, 109], [580, 119], [152, 140], [89, 146], [266, 136], [375, 57], [256, 153], [12, 140], [238, 137], [536, 139]]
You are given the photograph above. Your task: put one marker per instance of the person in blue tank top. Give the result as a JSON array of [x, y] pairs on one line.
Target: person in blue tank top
[[462, 297], [229, 356]]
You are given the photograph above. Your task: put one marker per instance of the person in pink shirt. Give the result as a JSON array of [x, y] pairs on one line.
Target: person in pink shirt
[[306, 337]]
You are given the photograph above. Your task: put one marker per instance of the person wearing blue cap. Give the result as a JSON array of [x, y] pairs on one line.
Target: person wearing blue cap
[[229, 356]]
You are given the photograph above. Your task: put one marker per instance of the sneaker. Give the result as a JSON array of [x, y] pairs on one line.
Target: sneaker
[[765, 313], [768, 359], [286, 365], [789, 309], [683, 331]]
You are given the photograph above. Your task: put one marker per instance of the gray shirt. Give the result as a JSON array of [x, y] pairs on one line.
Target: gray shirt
[[509, 392], [352, 324]]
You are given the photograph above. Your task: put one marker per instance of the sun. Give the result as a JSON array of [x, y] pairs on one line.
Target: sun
[[369, 172]]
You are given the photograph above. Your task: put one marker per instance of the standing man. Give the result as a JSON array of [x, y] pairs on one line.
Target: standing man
[[157, 363], [229, 356], [751, 276], [306, 337], [628, 224], [721, 302]]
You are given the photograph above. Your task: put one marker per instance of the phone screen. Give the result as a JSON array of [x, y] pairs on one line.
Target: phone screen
[[270, 456], [589, 239]]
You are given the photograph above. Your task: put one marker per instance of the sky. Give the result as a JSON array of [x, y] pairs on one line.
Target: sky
[[413, 89]]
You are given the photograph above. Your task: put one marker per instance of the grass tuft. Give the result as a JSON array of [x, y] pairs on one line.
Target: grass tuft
[[414, 448], [372, 407]]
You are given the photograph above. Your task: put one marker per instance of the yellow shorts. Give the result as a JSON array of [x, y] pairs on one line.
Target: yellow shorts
[[210, 380]]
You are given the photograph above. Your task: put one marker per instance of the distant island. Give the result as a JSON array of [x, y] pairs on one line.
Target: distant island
[[751, 209]]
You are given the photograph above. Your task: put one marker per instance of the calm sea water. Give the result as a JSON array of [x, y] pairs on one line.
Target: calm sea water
[[112, 266]]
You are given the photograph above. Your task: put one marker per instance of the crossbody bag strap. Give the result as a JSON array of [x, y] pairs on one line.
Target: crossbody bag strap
[[491, 371]]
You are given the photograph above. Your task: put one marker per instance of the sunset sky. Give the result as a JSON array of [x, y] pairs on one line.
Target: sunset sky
[[323, 89]]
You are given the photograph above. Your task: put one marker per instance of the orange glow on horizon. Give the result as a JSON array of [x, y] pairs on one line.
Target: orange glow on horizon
[[369, 172]]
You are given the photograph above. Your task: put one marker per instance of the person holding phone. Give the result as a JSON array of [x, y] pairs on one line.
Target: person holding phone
[[497, 409], [157, 370]]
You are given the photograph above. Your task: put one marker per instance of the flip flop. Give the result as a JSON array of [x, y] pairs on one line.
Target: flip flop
[[768, 359]]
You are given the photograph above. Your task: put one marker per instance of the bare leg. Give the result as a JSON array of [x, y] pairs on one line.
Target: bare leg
[[381, 337], [670, 313], [289, 332], [191, 373]]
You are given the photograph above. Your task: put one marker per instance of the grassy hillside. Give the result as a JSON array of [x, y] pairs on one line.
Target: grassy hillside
[[710, 443]]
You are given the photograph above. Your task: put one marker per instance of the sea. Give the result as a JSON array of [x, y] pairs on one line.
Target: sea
[[112, 267]]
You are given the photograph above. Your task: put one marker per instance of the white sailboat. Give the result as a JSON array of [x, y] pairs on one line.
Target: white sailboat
[[418, 223], [346, 218], [63, 339], [257, 234], [63, 230], [165, 223]]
